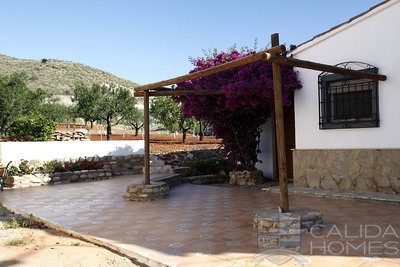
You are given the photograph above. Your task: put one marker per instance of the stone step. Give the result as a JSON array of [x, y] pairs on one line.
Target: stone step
[[180, 170], [160, 169], [157, 163], [158, 166]]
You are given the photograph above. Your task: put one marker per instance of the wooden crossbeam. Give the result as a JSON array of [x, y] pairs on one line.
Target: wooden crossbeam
[[294, 62], [180, 93], [226, 66]]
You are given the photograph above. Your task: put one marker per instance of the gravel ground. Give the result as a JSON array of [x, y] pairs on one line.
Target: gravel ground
[[36, 246]]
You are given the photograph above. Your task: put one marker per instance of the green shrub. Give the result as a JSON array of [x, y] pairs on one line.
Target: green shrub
[[38, 127], [22, 169], [52, 166], [205, 167]]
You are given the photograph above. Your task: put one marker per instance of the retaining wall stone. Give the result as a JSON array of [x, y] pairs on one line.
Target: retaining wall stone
[[364, 170]]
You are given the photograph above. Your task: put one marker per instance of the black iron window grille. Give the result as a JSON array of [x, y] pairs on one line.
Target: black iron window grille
[[348, 102]]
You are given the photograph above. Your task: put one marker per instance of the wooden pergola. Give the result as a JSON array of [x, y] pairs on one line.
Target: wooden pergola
[[270, 55]]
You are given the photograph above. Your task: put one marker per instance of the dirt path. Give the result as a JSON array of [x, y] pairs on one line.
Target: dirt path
[[45, 247]]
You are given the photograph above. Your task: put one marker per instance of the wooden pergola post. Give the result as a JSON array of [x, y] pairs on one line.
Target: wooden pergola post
[[146, 138], [280, 131]]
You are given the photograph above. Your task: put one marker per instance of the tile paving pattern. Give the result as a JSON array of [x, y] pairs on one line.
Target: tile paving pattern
[[211, 226]]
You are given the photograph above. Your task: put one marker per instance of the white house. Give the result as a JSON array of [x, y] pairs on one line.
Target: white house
[[347, 130]]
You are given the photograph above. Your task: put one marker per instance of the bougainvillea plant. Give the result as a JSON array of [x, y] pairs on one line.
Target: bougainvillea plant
[[247, 102]]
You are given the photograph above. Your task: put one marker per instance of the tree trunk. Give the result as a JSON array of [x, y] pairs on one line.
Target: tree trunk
[[201, 131], [109, 134], [137, 128], [184, 135], [91, 124]]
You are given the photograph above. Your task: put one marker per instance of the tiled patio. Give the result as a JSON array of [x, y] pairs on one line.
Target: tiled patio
[[211, 226]]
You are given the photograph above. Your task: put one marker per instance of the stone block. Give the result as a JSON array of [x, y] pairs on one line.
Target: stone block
[[313, 177], [147, 190], [9, 181], [386, 190], [93, 175], [328, 182], [364, 184], [74, 178], [347, 183], [300, 181], [132, 189], [382, 181]]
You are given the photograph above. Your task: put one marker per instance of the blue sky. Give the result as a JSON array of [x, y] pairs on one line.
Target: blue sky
[[148, 41]]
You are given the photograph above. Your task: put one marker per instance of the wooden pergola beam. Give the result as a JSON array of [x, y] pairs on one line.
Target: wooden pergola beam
[[226, 66], [322, 67], [180, 93]]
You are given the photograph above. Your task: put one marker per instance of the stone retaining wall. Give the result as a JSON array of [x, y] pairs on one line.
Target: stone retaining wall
[[364, 170], [246, 177], [113, 166], [39, 179], [150, 192], [179, 158], [80, 176]]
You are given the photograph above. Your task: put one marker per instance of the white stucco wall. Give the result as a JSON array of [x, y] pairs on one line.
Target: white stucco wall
[[372, 38], [267, 147], [15, 151]]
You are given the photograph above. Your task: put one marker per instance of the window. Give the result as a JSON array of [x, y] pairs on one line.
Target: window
[[348, 102]]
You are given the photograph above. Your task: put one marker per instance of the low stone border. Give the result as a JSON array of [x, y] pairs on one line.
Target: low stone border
[[147, 192], [246, 177], [80, 176], [39, 179], [28, 180], [268, 219], [204, 179], [112, 166]]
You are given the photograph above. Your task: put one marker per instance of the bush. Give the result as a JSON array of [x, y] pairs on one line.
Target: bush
[[51, 166], [205, 167], [38, 127], [22, 169]]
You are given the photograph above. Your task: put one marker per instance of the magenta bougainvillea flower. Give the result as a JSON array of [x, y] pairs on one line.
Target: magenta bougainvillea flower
[[247, 102]]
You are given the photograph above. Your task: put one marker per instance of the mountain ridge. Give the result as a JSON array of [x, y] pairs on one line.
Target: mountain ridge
[[58, 76]]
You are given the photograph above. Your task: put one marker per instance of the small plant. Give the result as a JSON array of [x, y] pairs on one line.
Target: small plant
[[22, 169], [90, 165], [52, 166], [47, 167], [13, 224], [19, 241], [205, 167]]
